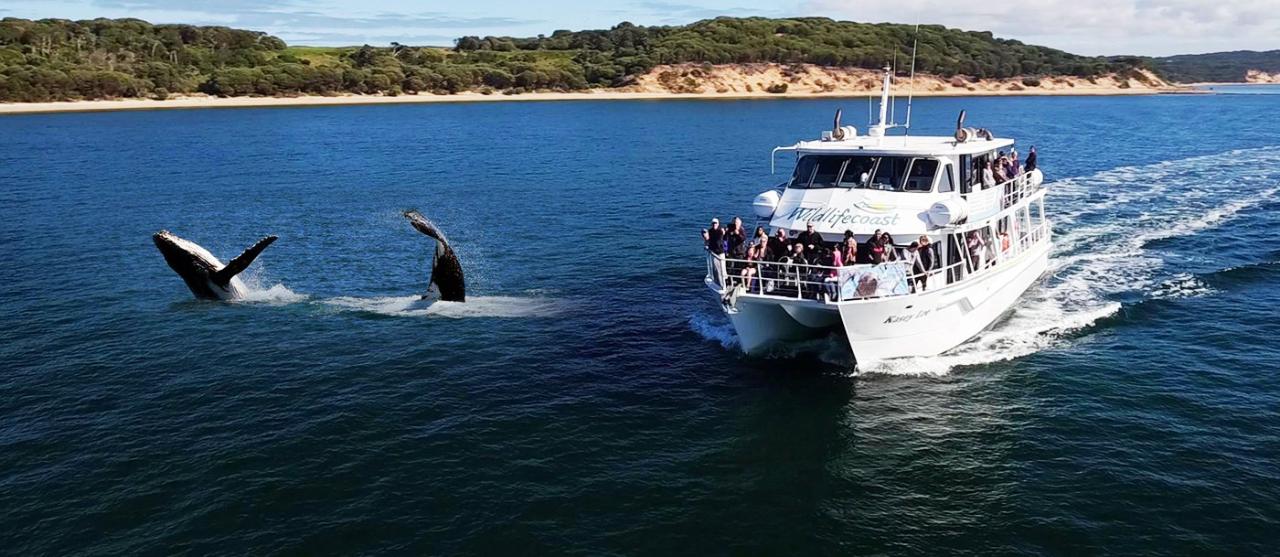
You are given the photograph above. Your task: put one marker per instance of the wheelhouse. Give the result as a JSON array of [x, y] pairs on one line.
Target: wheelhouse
[[878, 172]]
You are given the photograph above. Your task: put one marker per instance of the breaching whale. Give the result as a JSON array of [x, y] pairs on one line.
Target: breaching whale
[[446, 272], [207, 277]]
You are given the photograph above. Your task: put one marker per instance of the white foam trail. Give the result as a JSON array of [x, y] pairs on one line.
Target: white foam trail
[[475, 306], [276, 294], [716, 332], [1183, 285], [253, 289], [1110, 218]]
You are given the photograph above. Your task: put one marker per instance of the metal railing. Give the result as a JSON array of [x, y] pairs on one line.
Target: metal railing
[[985, 202], [787, 280]]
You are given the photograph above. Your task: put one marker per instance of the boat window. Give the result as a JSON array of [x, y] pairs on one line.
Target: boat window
[[948, 180], [890, 173], [857, 174], [827, 174], [920, 178], [804, 172], [829, 171], [883, 173]]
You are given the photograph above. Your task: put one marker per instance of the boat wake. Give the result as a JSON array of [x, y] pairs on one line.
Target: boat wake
[[1110, 219], [475, 306], [708, 328]]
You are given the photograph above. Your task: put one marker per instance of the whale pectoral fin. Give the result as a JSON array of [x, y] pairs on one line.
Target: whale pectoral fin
[[223, 276]]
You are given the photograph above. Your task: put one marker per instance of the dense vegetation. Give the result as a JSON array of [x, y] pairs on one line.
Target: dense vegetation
[[1218, 66], [103, 58]]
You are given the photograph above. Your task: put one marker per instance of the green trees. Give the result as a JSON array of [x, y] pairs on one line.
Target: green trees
[[56, 59], [1218, 66]]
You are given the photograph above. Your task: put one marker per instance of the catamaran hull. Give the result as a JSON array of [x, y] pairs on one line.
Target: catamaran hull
[[924, 324]]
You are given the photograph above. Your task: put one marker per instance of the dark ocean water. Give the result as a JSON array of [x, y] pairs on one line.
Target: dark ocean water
[[589, 398]]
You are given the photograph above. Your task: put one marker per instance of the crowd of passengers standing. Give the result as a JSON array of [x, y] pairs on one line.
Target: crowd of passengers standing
[[810, 256]]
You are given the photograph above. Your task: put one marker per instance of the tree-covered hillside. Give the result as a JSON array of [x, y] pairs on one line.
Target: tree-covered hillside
[[56, 59], [627, 49], [1218, 66]]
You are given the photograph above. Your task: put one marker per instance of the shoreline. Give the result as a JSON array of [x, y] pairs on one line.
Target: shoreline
[[204, 102]]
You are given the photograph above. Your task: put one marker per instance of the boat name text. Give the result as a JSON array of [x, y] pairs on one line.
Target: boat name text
[[836, 217]]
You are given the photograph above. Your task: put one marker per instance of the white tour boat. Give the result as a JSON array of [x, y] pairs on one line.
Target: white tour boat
[[988, 244]]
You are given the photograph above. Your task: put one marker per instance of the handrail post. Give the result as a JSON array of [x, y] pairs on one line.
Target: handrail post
[[720, 266]]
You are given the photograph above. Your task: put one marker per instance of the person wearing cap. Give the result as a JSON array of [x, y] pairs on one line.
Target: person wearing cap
[[810, 237], [714, 237]]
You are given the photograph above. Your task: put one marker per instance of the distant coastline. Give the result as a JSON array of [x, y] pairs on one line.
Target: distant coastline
[[58, 65], [202, 101]]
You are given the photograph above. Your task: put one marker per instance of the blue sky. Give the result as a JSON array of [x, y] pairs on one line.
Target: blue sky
[[1152, 27]]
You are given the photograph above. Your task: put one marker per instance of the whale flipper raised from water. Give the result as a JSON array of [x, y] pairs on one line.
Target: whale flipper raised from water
[[446, 271], [224, 275], [204, 274]]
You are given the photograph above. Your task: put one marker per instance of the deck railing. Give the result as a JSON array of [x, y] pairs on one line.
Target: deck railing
[[985, 202], [787, 280]]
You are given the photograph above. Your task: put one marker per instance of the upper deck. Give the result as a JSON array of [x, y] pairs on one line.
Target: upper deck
[[866, 182], [900, 145]]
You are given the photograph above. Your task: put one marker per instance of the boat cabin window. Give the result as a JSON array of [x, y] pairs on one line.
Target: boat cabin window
[[947, 183], [857, 173], [920, 178], [882, 173]]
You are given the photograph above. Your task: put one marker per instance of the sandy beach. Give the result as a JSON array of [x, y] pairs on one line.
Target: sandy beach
[[688, 82], [195, 102]]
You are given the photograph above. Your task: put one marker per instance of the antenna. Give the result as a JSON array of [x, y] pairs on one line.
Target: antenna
[[912, 91], [893, 99]]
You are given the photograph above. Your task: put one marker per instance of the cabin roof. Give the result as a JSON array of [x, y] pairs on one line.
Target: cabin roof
[[922, 145]]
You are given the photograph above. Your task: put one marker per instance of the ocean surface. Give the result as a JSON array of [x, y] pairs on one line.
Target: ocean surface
[[589, 398]]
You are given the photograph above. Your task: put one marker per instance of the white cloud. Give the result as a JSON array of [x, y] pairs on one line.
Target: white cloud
[[1151, 27]]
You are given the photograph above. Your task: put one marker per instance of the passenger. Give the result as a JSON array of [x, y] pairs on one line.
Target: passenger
[[831, 276], [849, 252], [890, 251], [714, 237], [999, 169], [988, 176], [1004, 241], [762, 237], [1031, 160], [926, 260], [975, 246], [751, 270], [912, 261], [736, 238], [848, 234], [809, 237], [866, 255], [779, 244]]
